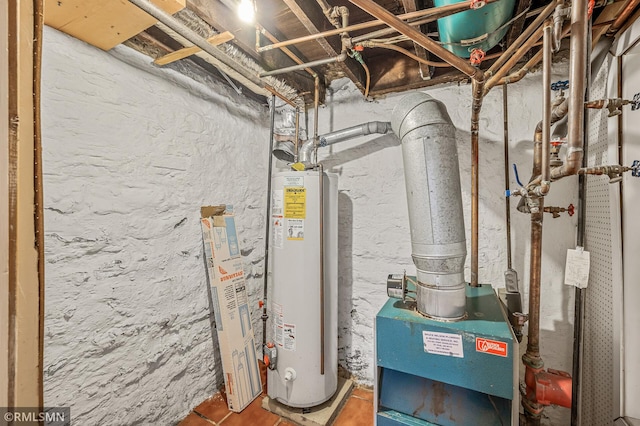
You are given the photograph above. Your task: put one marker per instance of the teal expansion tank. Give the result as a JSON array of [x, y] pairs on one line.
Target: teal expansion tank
[[481, 28]]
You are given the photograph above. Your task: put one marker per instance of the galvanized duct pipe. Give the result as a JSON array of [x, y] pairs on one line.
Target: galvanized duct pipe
[[306, 151], [435, 204]]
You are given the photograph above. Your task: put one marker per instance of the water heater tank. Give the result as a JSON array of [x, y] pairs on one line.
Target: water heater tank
[[303, 315]]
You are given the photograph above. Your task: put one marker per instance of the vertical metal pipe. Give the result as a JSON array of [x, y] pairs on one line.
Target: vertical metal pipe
[[577, 76], [507, 206], [533, 337], [316, 104], [477, 90], [322, 292], [297, 141], [579, 293], [434, 202], [546, 108], [272, 112]]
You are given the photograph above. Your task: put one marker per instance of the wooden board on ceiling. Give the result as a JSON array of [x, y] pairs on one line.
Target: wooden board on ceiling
[[103, 23]]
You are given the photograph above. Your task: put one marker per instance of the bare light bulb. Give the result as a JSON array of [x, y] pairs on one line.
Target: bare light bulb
[[246, 11]]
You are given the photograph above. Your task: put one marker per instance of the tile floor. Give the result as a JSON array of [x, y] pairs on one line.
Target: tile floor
[[357, 411]]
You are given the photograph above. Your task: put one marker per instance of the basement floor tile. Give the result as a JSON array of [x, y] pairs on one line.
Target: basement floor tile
[[214, 408], [363, 393], [194, 420], [356, 412], [254, 414]]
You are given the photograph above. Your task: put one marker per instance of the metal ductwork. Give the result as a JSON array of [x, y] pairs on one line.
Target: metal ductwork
[[286, 150], [435, 204]]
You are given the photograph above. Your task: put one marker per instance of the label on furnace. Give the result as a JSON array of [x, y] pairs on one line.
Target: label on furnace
[[448, 344], [493, 347]]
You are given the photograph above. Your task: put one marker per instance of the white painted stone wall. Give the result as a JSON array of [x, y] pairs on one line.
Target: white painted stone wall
[[374, 234], [131, 152]]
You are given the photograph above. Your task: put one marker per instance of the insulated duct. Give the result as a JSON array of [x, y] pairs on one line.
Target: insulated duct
[[435, 204]]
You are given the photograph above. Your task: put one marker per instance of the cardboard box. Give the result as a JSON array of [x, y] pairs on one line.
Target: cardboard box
[[230, 307]]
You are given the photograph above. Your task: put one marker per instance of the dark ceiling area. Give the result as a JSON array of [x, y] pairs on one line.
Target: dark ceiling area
[[377, 58]]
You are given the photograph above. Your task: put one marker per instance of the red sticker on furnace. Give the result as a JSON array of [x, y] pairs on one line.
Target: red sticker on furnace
[[492, 347]]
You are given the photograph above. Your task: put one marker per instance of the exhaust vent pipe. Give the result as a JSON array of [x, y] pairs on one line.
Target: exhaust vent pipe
[[435, 204]]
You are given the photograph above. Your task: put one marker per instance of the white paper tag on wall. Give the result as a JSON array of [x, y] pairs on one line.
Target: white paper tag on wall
[[448, 344], [576, 271]]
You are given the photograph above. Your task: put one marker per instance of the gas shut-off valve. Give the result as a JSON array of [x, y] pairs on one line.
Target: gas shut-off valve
[[270, 355]]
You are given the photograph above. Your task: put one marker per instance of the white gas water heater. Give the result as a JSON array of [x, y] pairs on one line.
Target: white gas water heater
[[302, 353]]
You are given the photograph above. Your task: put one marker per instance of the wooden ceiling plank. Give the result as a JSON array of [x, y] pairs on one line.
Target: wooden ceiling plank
[[222, 19], [608, 14], [192, 50], [311, 16], [517, 26], [412, 6], [103, 24]]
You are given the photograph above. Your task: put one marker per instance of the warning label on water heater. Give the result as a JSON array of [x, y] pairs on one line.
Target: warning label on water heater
[[295, 202], [448, 344], [295, 229], [289, 337]]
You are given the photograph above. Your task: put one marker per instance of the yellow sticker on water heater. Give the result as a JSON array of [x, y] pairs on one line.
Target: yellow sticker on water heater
[[295, 202]]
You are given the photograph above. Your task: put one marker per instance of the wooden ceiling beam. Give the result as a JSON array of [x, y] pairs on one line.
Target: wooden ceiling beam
[[412, 6], [517, 26], [222, 19], [397, 73], [312, 18]]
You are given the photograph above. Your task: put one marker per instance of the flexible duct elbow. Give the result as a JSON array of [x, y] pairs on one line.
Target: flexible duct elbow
[[435, 204]]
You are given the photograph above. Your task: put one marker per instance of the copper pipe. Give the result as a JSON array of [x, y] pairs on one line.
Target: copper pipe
[[525, 36], [322, 292], [434, 12], [519, 75], [622, 17], [417, 36], [507, 212], [510, 63], [477, 88], [415, 57], [297, 141], [546, 116], [316, 104], [286, 51], [531, 358], [413, 23], [577, 76], [535, 270], [405, 52]]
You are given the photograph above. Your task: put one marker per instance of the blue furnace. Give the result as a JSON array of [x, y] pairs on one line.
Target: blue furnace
[[446, 373]]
